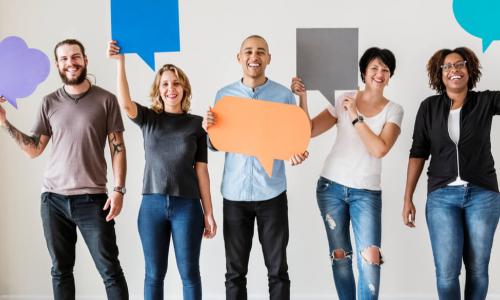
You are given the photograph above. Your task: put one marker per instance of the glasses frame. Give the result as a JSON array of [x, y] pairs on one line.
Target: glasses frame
[[457, 66]]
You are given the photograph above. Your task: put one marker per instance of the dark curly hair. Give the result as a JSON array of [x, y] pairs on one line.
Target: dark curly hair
[[435, 72]]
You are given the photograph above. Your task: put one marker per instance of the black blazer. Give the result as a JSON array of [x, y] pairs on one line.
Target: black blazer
[[472, 156]]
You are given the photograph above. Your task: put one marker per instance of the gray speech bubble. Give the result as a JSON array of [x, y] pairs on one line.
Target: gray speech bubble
[[327, 59]]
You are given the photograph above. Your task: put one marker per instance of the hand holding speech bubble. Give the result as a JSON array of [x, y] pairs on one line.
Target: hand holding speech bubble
[[327, 59], [260, 128], [480, 18], [145, 27], [22, 69]]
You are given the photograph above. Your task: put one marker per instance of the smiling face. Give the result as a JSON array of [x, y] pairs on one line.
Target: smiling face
[[71, 64], [254, 57], [171, 92], [455, 79], [377, 74]]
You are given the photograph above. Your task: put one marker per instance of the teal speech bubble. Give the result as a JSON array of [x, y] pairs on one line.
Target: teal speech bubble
[[480, 18]]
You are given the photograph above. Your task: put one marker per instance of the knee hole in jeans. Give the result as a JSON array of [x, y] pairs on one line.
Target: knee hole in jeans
[[372, 255], [340, 254]]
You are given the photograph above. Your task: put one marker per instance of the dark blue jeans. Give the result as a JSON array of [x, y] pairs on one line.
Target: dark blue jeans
[[462, 221], [61, 215], [340, 206], [160, 217]]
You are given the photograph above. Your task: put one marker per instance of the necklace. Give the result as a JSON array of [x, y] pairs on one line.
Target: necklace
[[81, 95]]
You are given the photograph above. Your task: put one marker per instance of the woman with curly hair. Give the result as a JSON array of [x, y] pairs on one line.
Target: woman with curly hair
[[463, 203], [175, 178]]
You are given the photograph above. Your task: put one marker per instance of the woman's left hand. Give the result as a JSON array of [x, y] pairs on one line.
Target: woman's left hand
[[210, 227]]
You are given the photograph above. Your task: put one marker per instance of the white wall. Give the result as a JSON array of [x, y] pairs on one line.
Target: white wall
[[211, 32]]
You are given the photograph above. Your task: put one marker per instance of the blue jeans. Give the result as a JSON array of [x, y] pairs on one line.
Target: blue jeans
[[61, 215], [339, 206], [160, 217], [462, 221]]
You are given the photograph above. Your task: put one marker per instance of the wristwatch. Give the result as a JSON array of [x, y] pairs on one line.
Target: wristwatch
[[120, 189], [359, 119]]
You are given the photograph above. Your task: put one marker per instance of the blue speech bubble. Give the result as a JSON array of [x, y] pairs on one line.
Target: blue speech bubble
[[480, 18], [145, 27]]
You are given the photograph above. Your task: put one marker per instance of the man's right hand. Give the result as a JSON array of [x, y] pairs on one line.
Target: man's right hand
[[3, 113], [209, 119]]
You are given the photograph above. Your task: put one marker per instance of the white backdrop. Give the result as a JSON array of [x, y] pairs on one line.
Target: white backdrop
[[211, 32]]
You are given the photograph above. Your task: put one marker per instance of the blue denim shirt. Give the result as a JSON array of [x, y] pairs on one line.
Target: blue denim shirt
[[244, 178]]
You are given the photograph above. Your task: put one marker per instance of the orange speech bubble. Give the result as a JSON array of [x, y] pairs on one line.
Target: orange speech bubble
[[264, 129]]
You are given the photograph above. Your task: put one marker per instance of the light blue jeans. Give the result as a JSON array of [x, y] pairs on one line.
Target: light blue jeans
[[339, 206], [162, 217], [462, 221]]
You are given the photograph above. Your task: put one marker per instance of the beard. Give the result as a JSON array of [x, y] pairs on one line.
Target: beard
[[76, 81]]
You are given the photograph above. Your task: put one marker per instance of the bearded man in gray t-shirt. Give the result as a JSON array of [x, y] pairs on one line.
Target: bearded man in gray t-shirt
[[78, 117]]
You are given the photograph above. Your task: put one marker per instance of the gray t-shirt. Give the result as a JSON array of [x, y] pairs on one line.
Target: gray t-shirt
[[78, 130], [173, 143]]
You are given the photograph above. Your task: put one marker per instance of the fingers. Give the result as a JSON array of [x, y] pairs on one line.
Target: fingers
[[210, 228], [113, 49], [114, 206], [107, 205], [409, 215], [110, 215], [298, 158], [209, 119], [297, 86]]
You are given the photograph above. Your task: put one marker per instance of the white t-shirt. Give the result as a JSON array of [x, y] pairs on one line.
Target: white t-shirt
[[454, 132], [349, 162]]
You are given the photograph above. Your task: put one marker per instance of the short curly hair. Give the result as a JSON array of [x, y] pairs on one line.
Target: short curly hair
[[435, 72], [157, 104]]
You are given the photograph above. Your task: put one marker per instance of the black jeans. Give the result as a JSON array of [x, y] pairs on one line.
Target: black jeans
[[61, 215], [272, 225]]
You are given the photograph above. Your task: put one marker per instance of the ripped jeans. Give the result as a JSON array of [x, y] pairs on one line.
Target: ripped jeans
[[339, 206]]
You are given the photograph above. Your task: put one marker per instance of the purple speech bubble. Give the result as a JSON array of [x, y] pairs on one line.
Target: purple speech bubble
[[22, 69]]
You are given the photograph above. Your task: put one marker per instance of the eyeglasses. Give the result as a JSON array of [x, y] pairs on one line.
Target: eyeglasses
[[458, 66]]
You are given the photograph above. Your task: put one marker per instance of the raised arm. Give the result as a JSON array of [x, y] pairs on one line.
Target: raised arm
[[123, 92], [32, 145], [323, 121], [119, 162]]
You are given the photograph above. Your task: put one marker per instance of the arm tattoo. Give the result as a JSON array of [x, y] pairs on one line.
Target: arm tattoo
[[21, 138], [117, 146]]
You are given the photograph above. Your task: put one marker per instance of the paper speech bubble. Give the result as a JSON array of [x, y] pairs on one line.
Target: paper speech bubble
[[327, 59], [264, 129], [22, 69], [145, 27], [480, 18]]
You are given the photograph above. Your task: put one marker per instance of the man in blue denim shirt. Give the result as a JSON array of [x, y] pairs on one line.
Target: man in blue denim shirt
[[249, 193]]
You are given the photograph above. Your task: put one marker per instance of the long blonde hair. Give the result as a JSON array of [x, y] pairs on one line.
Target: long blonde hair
[[157, 104]]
